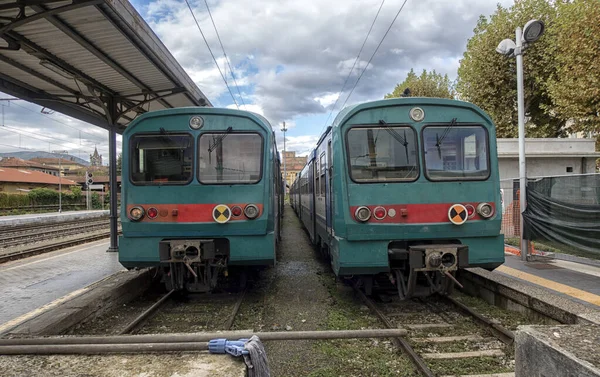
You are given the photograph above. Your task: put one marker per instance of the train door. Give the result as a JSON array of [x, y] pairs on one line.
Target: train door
[[329, 190]]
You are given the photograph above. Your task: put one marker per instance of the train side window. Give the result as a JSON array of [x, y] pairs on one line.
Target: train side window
[[161, 159]]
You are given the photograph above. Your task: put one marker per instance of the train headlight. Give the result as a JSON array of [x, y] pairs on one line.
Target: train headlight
[[196, 122], [251, 211], [485, 210], [417, 114], [362, 214], [136, 213]]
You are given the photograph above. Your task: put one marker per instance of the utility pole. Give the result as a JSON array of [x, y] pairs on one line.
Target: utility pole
[[59, 178], [284, 129]]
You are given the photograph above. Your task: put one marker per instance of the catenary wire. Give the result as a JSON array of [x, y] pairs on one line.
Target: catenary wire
[[375, 52], [225, 54], [353, 65], [211, 54]]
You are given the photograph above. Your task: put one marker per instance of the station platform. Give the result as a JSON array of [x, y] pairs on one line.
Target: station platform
[[50, 217], [576, 281], [30, 286]]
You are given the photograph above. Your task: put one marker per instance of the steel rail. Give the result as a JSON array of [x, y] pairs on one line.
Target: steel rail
[[397, 340], [17, 238], [51, 247], [235, 311], [146, 314], [501, 332]]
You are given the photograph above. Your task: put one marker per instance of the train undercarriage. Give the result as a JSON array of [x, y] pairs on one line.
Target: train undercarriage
[[194, 265], [419, 270]]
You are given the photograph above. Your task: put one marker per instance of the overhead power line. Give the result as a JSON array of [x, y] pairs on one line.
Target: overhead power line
[[225, 54], [353, 65], [211, 54], [375, 52]]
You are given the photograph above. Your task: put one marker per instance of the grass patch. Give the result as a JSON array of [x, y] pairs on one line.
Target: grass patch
[[473, 365]]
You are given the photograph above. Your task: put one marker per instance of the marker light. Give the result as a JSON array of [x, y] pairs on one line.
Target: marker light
[[470, 210], [236, 211], [379, 213], [485, 210], [196, 122], [152, 212], [136, 213], [251, 211], [362, 214]]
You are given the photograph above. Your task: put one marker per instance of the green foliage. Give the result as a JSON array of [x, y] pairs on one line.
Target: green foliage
[[13, 200], [429, 84], [489, 79], [43, 196], [575, 46], [119, 163], [96, 201], [76, 191]]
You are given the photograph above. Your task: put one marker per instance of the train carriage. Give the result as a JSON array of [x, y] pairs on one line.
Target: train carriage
[[405, 191], [201, 192]]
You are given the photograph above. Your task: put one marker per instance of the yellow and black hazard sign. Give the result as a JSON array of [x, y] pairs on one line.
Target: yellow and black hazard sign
[[458, 214], [221, 214]]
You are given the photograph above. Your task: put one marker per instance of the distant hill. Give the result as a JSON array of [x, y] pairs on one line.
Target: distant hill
[[26, 155]]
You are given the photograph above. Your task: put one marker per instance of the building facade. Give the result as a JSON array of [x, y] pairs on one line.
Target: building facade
[[64, 164], [96, 158], [293, 166], [17, 181], [18, 163]]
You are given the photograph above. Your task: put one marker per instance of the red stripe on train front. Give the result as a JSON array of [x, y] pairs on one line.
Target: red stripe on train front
[[189, 213], [415, 213]]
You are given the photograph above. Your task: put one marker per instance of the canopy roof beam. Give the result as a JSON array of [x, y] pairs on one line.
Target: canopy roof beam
[[74, 35]]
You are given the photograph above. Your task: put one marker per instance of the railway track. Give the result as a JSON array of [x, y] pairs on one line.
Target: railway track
[[173, 313], [34, 233], [7, 255], [446, 336]]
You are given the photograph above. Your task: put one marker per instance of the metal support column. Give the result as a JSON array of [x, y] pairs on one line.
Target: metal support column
[[522, 162], [112, 163]]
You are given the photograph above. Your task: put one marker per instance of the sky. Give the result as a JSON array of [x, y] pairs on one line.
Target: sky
[[290, 60]]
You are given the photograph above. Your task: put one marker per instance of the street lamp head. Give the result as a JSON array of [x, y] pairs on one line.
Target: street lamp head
[[533, 30], [506, 47]]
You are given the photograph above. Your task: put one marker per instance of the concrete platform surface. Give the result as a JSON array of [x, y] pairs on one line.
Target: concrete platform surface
[[578, 282], [51, 217], [200, 364], [572, 350], [28, 284]]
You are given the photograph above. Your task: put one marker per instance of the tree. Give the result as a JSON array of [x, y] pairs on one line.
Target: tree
[[429, 84], [119, 162], [489, 79], [575, 45]]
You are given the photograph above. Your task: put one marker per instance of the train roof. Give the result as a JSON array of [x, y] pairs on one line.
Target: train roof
[[349, 111], [262, 121]]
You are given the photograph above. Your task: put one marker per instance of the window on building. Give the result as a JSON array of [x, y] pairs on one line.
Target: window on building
[[569, 169]]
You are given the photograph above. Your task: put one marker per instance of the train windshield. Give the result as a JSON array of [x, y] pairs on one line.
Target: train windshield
[[226, 158], [161, 159], [382, 154], [456, 153]]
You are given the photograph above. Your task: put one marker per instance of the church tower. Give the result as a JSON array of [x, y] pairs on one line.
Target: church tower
[[96, 159]]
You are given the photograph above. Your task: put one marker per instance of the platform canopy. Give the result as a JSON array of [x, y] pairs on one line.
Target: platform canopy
[[94, 60]]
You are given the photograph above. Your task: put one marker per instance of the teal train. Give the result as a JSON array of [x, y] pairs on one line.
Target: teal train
[[406, 192], [201, 195]]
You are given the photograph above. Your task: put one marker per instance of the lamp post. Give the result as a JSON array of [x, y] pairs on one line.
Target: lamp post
[[59, 178], [530, 33], [284, 129]]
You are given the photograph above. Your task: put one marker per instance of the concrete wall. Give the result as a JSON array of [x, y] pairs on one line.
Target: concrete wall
[[545, 166]]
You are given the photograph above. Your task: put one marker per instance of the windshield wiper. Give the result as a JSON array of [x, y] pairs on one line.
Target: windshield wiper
[[396, 136], [439, 140]]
